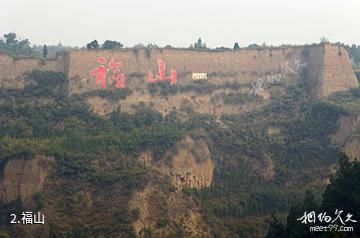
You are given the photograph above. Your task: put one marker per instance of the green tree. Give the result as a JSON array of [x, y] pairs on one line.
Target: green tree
[[10, 38], [199, 44], [294, 228], [45, 51], [109, 45], [343, 192], [93, 45], [11, 44], [323, 39], [277, 229], [236, 46], [354, 52], [310, 203]]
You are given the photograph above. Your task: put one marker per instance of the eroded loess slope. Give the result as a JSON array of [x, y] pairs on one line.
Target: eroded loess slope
[[209, 158]]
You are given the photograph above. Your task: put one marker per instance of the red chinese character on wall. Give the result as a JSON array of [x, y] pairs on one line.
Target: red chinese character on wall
[[111, 73], [162, 76]]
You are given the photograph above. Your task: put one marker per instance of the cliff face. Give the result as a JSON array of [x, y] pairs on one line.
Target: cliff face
[[23, 178], [179, 211], [348, 135], [190, 166]]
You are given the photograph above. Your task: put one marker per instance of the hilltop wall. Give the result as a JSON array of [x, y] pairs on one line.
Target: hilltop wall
[[337, 74], [329, 66], [13, 70], [242, 66]]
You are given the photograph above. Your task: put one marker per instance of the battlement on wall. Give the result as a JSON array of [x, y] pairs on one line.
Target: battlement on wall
[[13, 70], [329, 67]]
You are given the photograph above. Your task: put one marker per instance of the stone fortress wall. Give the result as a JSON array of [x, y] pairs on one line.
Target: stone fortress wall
[[13, 70], [337, 74], [329, 66]]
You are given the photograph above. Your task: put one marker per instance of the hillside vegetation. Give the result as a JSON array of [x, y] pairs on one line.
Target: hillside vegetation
[[265, 159]]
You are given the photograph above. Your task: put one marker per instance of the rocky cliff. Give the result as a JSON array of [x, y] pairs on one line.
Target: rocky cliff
[[23, 178], [348, 135]]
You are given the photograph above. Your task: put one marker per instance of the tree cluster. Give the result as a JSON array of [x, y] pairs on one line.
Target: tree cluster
[[10, 43], [341, 194], [199, 44], [107, 45]]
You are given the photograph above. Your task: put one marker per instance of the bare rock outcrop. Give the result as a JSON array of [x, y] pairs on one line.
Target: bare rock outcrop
[[22, 178], [167, 213], [348, 136], [189, 165]]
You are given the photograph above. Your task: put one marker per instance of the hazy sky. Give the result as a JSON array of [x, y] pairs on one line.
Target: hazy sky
[[180, 23]]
